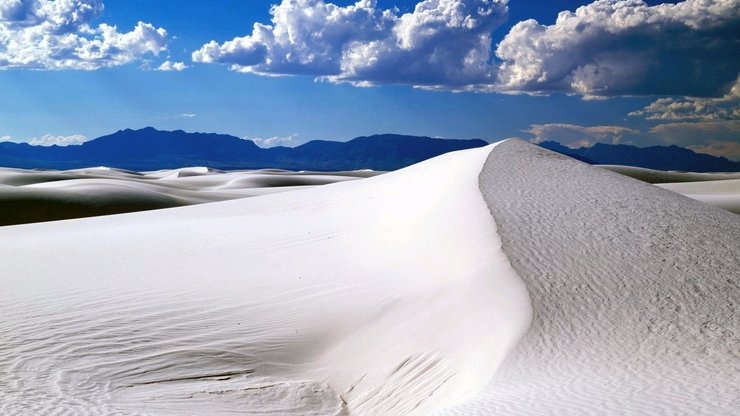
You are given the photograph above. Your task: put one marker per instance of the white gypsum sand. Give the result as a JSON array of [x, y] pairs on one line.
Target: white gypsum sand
[[721, 193], [387, 296], [662, 176], [718, 189], [634, 291], [33, 196]]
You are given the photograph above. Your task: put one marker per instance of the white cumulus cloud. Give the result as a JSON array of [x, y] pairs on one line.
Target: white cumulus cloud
[[614, 47], [58, 34], [442, 43], [172, 66], [49, 140], [718, 138], [265, 142], [698, 133], [606, 48], [728, 149]]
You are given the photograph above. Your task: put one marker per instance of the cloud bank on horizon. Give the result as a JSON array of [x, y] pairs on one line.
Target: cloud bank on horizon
[[50, 140]]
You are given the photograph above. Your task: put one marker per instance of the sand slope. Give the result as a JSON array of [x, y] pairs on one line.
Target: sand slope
[[661, 176], [387, 296], [634, 290], [718, 189], [722, 193]]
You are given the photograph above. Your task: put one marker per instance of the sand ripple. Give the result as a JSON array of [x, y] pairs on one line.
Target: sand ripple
[[634, 289], [136, 352]]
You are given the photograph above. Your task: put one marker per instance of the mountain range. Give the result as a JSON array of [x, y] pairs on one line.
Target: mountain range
[[653, 157], [152, 149]]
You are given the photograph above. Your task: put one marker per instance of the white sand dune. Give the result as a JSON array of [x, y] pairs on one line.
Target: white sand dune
[[383, 296], [634, 290], [34, 196], [387, 296]]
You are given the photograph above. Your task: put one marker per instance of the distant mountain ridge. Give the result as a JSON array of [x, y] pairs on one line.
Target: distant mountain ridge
[[152, 149], [653, 157]]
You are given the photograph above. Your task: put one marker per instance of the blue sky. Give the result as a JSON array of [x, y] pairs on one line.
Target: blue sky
[[630, 72]]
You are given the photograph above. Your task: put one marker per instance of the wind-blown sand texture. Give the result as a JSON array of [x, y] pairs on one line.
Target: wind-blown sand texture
[[634, 290], [386, 296], [661, 176], [722, 193], [34, 196], [718, 189]]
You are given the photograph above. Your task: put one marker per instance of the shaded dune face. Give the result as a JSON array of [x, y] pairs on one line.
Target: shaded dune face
[[28, 196], [386, 296], [634, 291], [27, 206]]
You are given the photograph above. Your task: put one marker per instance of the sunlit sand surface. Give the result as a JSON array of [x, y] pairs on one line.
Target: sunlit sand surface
[[500, 280]]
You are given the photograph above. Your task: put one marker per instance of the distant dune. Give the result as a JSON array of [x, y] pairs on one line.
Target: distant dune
[[718, 189], [723, 193], [33, 196], [28, 196], [662, 176], [500, 280]]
